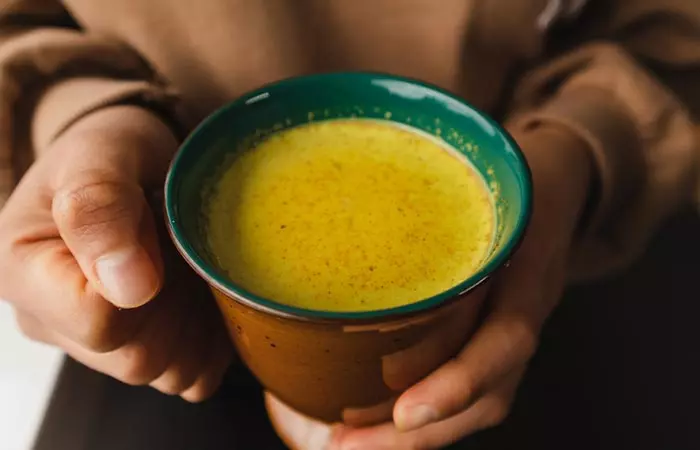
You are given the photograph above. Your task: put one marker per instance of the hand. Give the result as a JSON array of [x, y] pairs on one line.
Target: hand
[[475, 390], [81, 261]]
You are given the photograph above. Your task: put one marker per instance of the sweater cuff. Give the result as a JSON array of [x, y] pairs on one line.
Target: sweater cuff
[[68, 101], [598, 119], [641, 139]]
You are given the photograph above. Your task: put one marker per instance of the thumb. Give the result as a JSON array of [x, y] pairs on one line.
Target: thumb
[[107, 226], [99, 207]]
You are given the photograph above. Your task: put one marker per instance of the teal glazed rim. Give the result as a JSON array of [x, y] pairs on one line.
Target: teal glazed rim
[[469, 115]]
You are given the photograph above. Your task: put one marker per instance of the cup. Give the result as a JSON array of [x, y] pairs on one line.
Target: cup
[[347, 366]]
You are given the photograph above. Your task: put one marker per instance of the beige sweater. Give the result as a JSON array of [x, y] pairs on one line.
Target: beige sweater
[[623, 74]]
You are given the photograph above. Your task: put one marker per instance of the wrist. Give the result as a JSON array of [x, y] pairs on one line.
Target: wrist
[[563, 172], [125, 121], [128, 128]]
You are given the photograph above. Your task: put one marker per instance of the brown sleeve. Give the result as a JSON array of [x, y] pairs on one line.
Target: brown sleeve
[[639, 128], [52, 73], [504, 34]]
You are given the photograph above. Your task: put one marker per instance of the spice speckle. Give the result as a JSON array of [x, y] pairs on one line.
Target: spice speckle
[[309, 215]]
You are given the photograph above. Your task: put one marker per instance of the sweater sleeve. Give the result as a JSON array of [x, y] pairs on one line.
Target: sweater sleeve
[[641, 129], [52, 73]]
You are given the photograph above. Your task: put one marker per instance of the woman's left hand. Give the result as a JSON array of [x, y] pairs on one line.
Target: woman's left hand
[[475, 390]]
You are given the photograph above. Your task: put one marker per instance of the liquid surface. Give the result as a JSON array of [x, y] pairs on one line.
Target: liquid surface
[[349, 215]]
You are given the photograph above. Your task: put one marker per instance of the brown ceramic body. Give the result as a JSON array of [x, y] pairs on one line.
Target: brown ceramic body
[[347, 372], [329, 365]]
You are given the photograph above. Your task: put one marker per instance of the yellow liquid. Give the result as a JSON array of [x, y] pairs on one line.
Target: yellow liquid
[[349, 215]]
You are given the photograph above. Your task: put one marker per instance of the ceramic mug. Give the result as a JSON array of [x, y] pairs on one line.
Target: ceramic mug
[[347, 366]]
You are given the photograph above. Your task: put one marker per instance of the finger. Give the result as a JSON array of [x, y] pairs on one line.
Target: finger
[[39, 273], [32, 328], [105, 223], [221, 352], [521, 299], [507, 339], [296, 430], [43, 279], [204, 348], [490, 410], [191, 354], [210, 380], [145, 356], [100, 209]]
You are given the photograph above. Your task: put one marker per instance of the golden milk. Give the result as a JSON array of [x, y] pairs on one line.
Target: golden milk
[[349, 215]]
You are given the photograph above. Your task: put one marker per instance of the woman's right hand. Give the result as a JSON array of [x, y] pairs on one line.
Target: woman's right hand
[[85, 267]]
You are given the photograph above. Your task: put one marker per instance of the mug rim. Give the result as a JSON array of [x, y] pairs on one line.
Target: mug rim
[[235, 292]]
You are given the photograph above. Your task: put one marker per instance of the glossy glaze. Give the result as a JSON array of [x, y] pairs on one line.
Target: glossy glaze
[[346, 365]]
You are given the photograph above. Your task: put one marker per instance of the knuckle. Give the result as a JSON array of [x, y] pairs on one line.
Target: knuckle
[[520, 339], [498, 412], [196, 397], [136, 366], [197, 393], [527, 340], [176, 381], [94, 337], [98, 328], [28, 331], [462, 388], [168, 388], [470, 390], [88, 208], [29, 327]]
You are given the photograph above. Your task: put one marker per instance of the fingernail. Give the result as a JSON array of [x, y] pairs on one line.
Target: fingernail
[[408, 419], [128, 277]]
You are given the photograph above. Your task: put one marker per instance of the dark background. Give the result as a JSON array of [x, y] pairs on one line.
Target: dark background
[[617, 369]]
